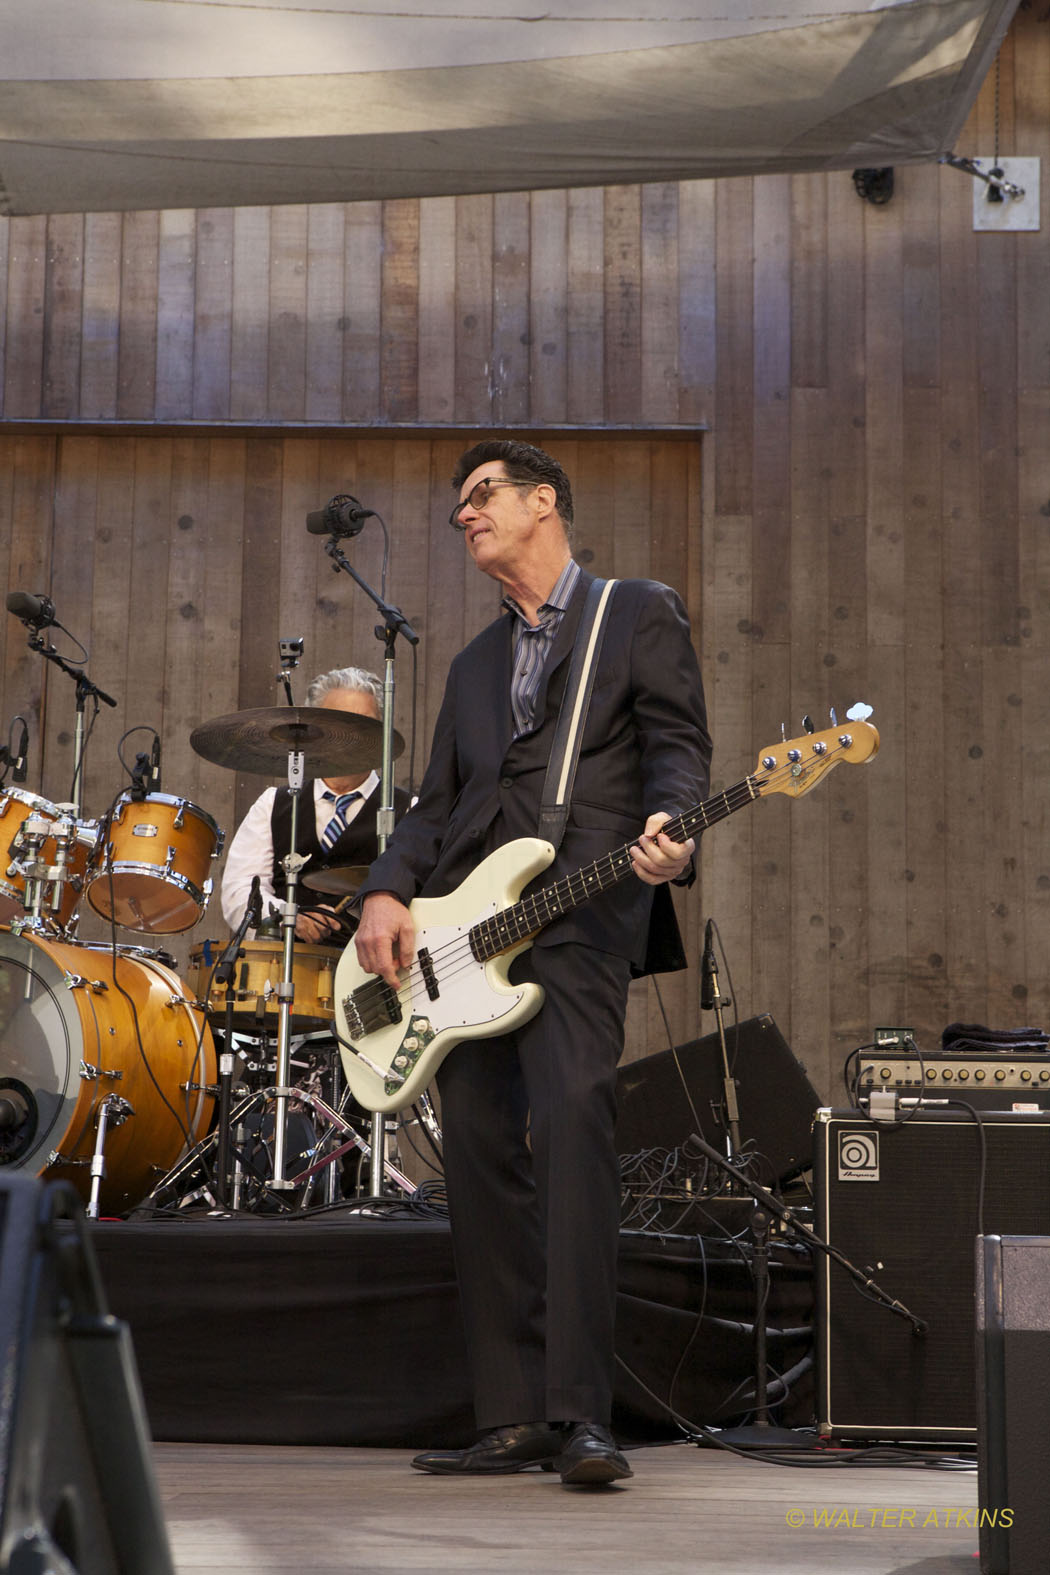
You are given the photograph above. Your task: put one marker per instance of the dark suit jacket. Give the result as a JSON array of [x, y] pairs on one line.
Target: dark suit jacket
[[645, 748]]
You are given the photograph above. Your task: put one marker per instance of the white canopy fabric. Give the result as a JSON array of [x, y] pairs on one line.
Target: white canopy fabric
[[123, 104]]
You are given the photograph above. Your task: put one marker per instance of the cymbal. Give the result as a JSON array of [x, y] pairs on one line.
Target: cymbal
[[340, 880], [335, 743]]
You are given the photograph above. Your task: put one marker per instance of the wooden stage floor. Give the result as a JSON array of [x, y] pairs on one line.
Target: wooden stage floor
[[235, 1509]]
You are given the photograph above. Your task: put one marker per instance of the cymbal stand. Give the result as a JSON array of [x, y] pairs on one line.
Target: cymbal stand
[[292, 863], [394, 623]]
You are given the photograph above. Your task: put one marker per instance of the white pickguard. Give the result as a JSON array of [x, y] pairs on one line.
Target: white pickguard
[[474, 999]]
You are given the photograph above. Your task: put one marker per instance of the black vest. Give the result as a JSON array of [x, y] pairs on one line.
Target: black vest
[[356, 845]]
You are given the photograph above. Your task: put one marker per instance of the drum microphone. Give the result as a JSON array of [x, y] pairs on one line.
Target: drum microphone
[[36, 612], [154, 768], [341, 516], [19, 773], [708, 972]]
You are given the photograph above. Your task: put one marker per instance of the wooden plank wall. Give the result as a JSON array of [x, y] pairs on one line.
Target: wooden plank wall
[[873, 388]]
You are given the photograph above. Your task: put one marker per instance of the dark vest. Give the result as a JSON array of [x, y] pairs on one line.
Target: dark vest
[[357, 845]]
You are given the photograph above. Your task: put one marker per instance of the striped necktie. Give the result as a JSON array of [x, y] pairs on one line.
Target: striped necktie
[[337, 825]]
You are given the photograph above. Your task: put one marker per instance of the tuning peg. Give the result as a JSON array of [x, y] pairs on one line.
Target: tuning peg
[[783, 732], [834, 718], [807, 723], [859, 712]]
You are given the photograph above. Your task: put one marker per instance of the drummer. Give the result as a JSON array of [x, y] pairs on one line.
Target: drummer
[[331, 836]]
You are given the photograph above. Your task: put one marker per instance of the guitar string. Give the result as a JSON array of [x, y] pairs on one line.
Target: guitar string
[[374, 991], [458, 954]]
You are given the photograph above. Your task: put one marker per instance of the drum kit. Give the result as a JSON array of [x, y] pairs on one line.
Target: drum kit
[[110, 1076]]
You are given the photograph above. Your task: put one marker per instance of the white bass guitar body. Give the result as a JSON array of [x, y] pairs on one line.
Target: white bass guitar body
[[447, 995]]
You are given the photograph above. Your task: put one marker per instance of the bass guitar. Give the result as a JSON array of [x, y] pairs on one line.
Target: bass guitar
[[393, 1041]]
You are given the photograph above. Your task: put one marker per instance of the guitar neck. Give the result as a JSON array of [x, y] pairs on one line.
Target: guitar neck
[[504, 930]]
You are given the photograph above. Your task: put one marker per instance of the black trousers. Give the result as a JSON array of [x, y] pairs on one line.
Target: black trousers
[[534, 1193]]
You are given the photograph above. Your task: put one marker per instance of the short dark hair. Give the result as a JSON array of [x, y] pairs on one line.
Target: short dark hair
[[522, 462]]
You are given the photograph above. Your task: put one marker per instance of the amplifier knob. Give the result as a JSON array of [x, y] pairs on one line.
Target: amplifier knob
[[979, 1075], [1044, 1076], [931, 1075], [946, 1075], [1000, 1075], [1026, 1076], [963, 1075], [885, 1074]]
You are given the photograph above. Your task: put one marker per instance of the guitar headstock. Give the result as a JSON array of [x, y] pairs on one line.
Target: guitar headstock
[[798, 764]]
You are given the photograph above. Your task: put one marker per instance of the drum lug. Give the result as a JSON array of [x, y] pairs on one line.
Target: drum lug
[[180, 814], [76, 981], [56, 1157], [170, 865], [91, 1074]]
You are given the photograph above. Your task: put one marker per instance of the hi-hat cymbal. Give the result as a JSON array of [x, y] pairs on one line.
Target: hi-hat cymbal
[[334, 742], [340, 880]]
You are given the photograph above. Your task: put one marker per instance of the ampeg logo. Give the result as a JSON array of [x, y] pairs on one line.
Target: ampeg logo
[[858, 1156]]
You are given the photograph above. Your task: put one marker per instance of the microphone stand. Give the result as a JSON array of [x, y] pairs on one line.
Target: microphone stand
[[394, 624], [85, 687], [711, 999], [762, 1434]]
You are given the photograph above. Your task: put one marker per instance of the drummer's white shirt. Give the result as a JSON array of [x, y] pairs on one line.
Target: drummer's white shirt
[[251, 850]]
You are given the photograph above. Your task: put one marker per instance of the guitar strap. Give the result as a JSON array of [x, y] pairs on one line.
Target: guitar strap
[[568, 734]]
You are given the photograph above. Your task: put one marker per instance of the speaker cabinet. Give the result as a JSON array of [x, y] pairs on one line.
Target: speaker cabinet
[[77, 1493], [905, 1204], [1013, 1416], [664, 1098]]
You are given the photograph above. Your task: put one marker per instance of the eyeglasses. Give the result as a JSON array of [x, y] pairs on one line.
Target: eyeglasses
[[479, 494]]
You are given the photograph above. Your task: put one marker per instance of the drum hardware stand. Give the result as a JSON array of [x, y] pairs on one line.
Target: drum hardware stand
[[394, 624], [112, 1112], [354, 1140], [224, 974]]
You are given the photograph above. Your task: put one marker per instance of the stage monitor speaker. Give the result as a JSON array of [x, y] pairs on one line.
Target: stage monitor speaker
[[1013, 1415], [77, 1493], [662, 1098], [903, 1204]]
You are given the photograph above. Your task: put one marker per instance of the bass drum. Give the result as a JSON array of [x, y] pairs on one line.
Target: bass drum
[[78, 1025]]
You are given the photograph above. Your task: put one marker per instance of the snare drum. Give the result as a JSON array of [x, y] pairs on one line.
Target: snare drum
[[256, 977], [152, 872], [17, 810], [69, 1037]]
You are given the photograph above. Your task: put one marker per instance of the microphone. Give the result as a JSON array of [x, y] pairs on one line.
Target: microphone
[[708, 972], [19, 774], [341, 516], [154, 769], [255, 903], [36, 612]]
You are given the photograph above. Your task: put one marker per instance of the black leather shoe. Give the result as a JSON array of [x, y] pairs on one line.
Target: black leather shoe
[[589, 1457], [500, 1452]]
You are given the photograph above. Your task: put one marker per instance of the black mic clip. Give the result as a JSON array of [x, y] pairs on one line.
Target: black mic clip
[[140, 778], [19, 773], [708, 972]]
